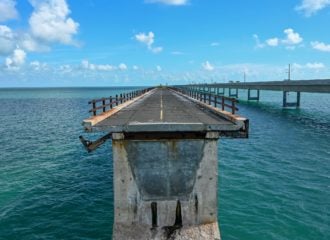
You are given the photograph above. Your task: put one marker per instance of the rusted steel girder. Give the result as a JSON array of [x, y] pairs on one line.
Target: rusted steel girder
[[92, 145]]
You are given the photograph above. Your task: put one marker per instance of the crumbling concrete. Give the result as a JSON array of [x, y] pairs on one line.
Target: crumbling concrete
[[165, 188]]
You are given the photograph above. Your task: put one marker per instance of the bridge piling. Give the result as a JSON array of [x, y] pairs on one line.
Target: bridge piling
[[253, 98], [231, 94], [222, 92], [291, 104], [165, 187]]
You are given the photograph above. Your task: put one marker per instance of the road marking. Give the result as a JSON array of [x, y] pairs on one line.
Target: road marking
[[161, 106]]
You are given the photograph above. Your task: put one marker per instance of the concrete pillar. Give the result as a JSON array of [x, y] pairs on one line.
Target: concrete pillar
[[222, 92], [165, 186], [235, 94], [291, 104], [253, 98]]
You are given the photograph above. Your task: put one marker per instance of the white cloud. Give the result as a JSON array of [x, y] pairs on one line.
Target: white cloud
[[159, 68], [7, 44], [310, 7], [85, 64], [169, 2], [16, 59], [290, 41], [157, 49], [135, 67], [27, 42], [66, 68], [122, 66], [292, 37], [273, 42], [215, 44], [207, 66], [104, 67], [7, 10], [49, 21], [258, 42], [315, 65], [148, 40], [38, 66], [321, 46]]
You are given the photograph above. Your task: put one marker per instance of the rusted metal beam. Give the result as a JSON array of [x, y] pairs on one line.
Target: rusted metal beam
[[92, 145]]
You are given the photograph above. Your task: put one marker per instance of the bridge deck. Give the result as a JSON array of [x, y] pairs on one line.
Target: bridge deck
[[164, 110], [311, 86]]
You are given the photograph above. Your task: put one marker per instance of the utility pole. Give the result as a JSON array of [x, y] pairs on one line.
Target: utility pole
[[244, 76], [289, 72]]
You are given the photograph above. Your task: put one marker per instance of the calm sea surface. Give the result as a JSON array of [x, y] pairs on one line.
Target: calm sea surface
[[274, 185]]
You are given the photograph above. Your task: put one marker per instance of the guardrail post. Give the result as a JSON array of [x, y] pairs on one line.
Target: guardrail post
[[215, 101], [209, 99], [121, 98], [110, 102], [233, 107], [223, 103], [116, 99], [103, 103], [94, 106]]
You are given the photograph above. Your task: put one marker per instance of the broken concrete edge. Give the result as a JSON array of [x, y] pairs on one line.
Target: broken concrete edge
[[92, 121], [241, 122], [203, 231], [228, 130]]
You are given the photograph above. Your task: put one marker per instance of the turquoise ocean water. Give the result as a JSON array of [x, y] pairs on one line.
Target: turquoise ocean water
[[274, 185]]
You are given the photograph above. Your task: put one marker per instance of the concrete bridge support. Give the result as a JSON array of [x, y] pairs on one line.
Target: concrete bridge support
[[220, 92], [165, 185], [253, 98], [233, 94], [291, 104]]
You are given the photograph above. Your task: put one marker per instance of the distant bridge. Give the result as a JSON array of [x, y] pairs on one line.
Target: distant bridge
[[298, 86]]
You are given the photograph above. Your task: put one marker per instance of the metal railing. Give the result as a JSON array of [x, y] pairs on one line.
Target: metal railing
[[113, 101], [210, 98]]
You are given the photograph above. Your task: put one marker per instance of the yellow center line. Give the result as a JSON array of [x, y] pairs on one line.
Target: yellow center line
[[161, 106]]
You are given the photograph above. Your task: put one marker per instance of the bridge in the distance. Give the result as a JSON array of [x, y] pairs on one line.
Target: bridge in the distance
[[254, 88]]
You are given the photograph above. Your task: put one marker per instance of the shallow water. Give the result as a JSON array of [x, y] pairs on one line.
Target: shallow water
[[275, 185]]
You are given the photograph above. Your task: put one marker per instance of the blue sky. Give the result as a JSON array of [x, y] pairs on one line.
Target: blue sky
[[148, 42]]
